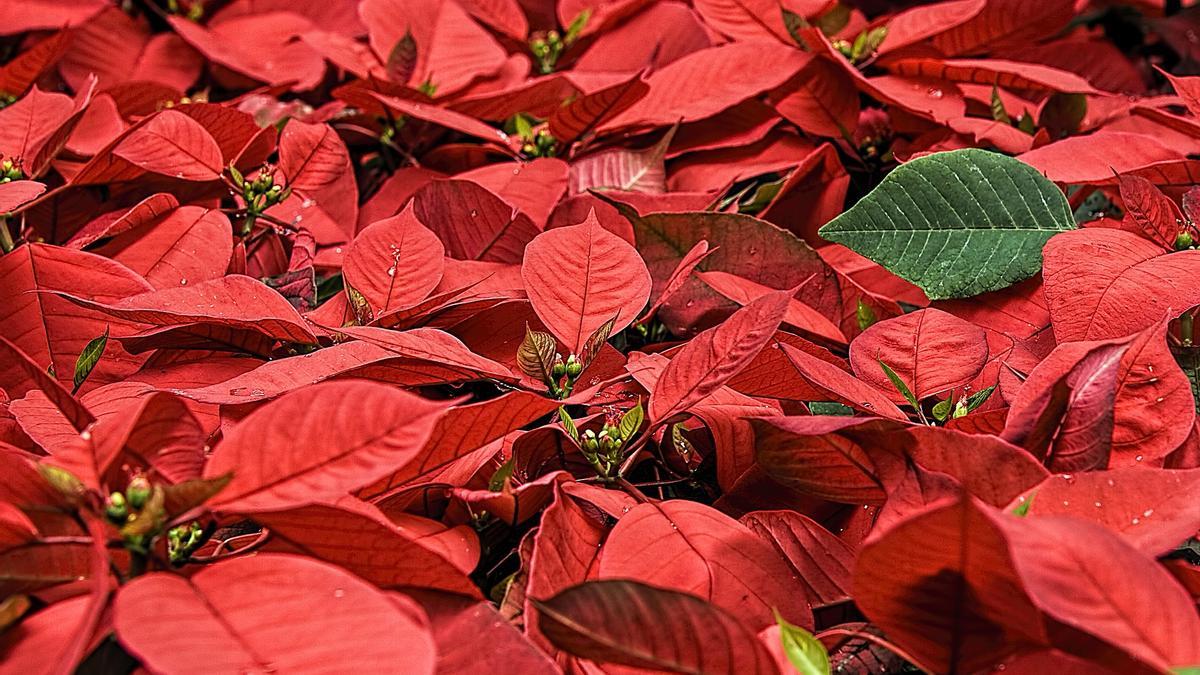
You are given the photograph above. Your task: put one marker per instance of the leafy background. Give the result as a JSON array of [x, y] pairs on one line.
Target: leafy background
[[750, 336]]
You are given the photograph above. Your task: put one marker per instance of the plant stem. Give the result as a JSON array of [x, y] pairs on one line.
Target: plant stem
[[6, 241], [633, 491]]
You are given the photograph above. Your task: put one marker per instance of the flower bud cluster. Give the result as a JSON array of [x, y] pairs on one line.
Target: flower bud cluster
[[563, 375], [542, 144], [138, 512], [10, 171], [183, 540], [120, 506], [603, 450], [261, 193], [546, 50]]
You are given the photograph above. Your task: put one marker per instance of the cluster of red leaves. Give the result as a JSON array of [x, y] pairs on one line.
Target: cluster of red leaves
[[335, 256]]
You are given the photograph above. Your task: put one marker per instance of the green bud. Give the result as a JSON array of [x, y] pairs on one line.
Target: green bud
[[608, 444], [116, 509], [1184, 240], [574, 367], [558, 369], [138, 491]]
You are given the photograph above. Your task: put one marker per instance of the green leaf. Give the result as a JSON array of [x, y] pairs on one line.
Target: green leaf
[[1190, 547], [900, 385], [941, 410], [359, 306], [794, 24], [803, 650], [1188, 358], [1186, 670], [866, 43], [502, 475], [859, 46], [523, 127], [1026, 123], [577, 25], [832, 22], [595, 341], [682, 445], [631, 421], [956, 223], [1097, 205], [568, 424], [830, 408], [761, 198], [1063, 113], [998, 112], [875, 38], [535, 356], [88, 359], [62, 480], [866, 315], [188, 494], [1023, 508], [238, 179], [977, 399]]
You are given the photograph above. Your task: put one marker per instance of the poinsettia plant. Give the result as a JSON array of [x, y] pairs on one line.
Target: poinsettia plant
[[598, 336]]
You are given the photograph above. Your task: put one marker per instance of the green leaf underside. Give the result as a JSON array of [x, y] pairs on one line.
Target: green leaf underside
[[956, 223], [830, 408], [88, 359], [900, 385], [805, 652], [1020, 510], [630, 422]]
